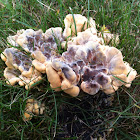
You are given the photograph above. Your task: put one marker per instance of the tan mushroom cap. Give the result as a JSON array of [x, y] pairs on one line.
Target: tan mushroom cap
[[7, 58], [119, 80], [110, 89], [15, 59], [99, 54], [12, 39], [36, 108], [30, 81], [80, 21], [11, 75], [53, 32], [64, 71], [103, 79], [53, 77], [27, 116], [92, 30], [66, 84], [68, 77], [22, 39], [39, 66], [117, 66], [38, 55], [28, 110], [73, 91], [40, 61], [90, 87], [84, 37], [131, 76], [124, 79], [110, 52]]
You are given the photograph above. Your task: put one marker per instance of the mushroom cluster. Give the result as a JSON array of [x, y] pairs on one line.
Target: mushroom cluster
[[33, 107], [89, 63]]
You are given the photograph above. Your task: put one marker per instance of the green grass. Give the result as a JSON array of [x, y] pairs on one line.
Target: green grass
[[122, 16]]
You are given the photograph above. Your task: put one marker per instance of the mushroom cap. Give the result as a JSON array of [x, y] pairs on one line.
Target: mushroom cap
[[30, 81], [38, 55], [66, 84], [80, 21], [110, 89], [103, 79], [124, 79], [23, 39], [111, 52], [73, 91], [11, 75], [53, 33], [36, 108], [64, 71], [16, 59], [53, 77], [12, 39], [86, 36], [116, 65], [39, 66], [130, 77], [27, 116], [90, 87]]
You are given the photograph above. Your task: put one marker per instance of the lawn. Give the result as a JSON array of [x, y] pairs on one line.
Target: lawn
[[84, 117]]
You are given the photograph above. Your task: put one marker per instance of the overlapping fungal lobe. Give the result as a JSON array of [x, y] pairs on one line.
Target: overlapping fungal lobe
[[90, 52], [19, 68], [124, 78], [15, 59], [82, 38], [76, 23], [42, 46], [30, 81], [119, 71], [48, 49], [12, 39], [54, 36], [28, 39], [103, 67], [12, 76], [62, 77], [53, 77], [94, 79]]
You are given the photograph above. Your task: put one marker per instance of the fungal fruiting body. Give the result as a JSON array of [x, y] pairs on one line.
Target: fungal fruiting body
[[19, 68], [33, 107], [88, 64]]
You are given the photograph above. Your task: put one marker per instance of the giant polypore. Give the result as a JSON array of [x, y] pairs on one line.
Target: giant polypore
[[88, 64]]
